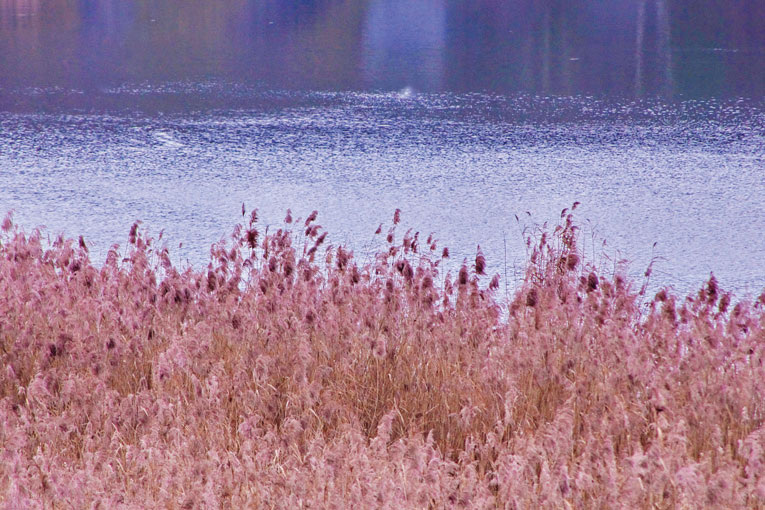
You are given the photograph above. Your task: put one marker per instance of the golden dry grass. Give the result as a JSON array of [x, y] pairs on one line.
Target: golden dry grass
[[290, 376]]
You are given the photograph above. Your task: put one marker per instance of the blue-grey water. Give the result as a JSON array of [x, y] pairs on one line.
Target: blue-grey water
[[651, 113]]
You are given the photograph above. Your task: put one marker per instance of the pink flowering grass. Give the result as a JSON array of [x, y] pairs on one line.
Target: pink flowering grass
[[288, 375]]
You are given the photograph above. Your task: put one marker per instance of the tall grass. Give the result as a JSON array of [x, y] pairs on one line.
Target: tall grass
[[288, 375]]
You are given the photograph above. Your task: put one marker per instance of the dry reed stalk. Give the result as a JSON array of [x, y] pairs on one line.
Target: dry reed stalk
[[273, 380]]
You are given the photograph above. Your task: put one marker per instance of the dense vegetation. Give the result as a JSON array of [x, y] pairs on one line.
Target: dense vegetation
[[289, 375]]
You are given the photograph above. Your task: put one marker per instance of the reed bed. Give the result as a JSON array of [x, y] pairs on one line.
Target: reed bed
[[287, 374]]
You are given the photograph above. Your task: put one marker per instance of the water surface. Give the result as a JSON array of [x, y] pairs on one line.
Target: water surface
[[463, 115]]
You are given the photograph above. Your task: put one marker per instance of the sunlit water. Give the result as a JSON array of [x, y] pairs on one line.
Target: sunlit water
[[462, 114]]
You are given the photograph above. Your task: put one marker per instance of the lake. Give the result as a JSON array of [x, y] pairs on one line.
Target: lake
[[651, 113]]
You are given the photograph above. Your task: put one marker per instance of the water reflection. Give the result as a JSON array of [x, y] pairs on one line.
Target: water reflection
[[639, 47], [176, 111], [584, 47], [663, 49], [404, 44], [662, 72]]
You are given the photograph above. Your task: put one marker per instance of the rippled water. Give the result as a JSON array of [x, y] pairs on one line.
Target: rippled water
[[462, 114], [687, 176]]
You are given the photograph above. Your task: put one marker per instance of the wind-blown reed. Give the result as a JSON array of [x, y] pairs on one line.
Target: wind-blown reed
[[288, 375]]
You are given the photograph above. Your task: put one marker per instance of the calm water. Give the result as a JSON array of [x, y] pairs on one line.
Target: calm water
[[463, 114]]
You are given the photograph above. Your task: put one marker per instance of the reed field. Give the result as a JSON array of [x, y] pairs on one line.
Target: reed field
[[289, 374]]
